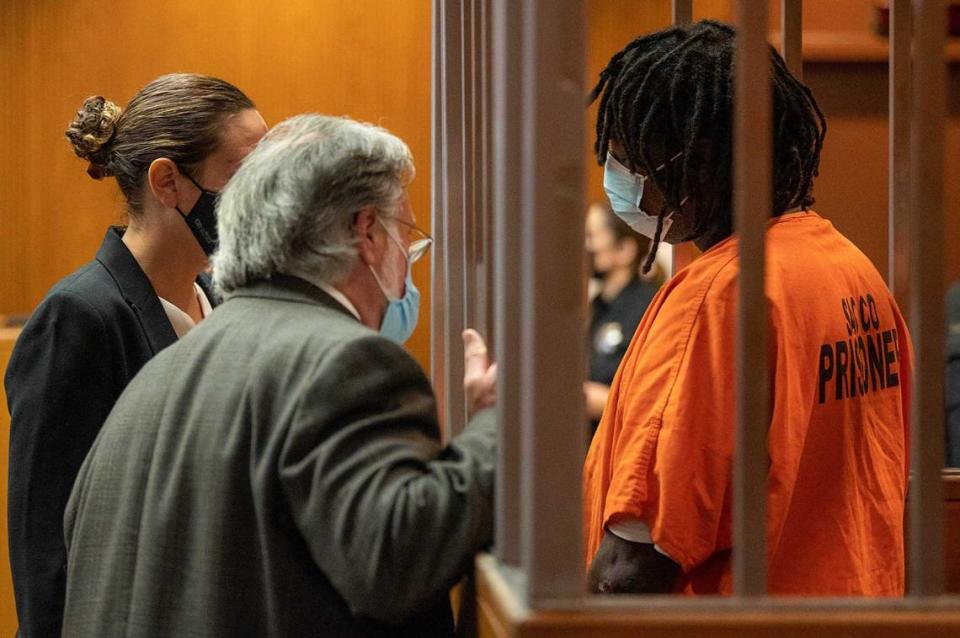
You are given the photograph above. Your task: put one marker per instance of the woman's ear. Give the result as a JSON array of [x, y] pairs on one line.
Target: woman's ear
[[369, 243], [162, 181]]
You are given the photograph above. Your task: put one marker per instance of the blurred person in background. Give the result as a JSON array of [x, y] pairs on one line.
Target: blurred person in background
[[620, 296]]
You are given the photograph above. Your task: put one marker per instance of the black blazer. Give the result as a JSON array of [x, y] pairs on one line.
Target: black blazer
[[85, 341]]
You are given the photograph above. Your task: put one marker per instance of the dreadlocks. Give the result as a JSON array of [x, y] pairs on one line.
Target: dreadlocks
[[671, 92]]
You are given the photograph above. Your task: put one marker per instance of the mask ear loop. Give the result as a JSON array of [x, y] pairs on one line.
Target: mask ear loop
[[386, 293], [641, 187], [661, 216], [408, 271], [195, 183]]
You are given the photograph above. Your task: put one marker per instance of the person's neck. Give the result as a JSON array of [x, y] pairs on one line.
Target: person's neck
[[366, 298], [615, 281], [711, 238], [171, 263]]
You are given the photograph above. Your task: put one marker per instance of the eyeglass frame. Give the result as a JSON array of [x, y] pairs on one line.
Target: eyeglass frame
[[418, 247]]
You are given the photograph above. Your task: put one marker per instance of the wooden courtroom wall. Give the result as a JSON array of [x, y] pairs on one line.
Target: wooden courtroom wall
[[368, 59], [850, 84]]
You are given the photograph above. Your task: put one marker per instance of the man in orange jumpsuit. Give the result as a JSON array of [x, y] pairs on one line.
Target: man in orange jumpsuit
[[657, 481]]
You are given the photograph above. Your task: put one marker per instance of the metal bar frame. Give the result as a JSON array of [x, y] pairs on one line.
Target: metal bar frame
[[471, 161], [791, 36], [682, 11], [438, 202], [926, 566], [682, 255], [752, 202], [486, 172], [448, 259], [531, 110], [506, 129], [898, 266], [553, 313]]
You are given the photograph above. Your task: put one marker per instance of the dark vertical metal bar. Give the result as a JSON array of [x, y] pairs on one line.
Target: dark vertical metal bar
[[752, 203], [478, 263], [506, 130], [898, 267], [468, 66], [452, 212], [681, 255], [486, 173], [553, 311], [791, 36], [682, 11], [926, 567], [437, 196]]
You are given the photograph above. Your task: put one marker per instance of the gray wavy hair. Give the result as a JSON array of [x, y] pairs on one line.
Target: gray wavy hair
[[291, 206]]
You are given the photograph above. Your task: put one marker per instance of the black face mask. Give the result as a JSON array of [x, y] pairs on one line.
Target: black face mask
[[202, 218]]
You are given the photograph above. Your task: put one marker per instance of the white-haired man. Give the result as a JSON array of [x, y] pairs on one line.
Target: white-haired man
[[278, 472]]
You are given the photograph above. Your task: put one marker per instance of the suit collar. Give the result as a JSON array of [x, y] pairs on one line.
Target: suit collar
[[138, 291], [206, 285], [289, 288]]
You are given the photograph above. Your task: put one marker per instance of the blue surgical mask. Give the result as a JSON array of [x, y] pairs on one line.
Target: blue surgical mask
[[400, 318], [625, 192]]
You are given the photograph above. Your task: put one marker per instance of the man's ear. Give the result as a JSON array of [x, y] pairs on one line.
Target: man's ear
[[162, 180], [369, 242]]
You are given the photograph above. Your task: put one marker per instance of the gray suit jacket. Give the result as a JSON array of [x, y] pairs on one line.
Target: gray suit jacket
[[276, 472]]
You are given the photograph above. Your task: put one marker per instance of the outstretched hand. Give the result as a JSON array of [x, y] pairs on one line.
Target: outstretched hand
[[479, 375]]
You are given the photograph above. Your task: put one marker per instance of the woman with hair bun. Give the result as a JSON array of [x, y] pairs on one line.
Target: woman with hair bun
[[173, 147]]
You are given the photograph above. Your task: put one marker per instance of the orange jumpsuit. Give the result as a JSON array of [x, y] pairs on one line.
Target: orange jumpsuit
[[839, 370]]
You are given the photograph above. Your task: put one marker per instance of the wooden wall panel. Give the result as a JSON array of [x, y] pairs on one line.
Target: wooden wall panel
[[366, 58]]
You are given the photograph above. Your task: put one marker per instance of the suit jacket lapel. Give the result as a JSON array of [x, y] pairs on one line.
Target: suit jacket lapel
[[137, 290]]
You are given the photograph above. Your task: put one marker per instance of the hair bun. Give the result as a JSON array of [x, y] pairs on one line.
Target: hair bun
[[91, 131]]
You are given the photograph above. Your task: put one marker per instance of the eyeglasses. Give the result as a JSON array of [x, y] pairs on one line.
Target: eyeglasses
[[418, 247]]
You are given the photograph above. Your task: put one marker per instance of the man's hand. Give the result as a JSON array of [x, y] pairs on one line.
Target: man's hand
[[479, 376], [623, 567]]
